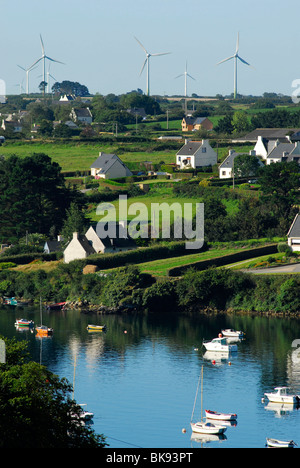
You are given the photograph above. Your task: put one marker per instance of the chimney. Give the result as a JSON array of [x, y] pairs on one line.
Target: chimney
[[252, 153], [75, 235]]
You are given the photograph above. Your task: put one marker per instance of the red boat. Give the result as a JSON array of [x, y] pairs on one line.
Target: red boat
[[56, 306]]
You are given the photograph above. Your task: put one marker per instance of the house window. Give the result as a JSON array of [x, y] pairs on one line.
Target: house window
[[179, 158], [223, 172], [203, 150]]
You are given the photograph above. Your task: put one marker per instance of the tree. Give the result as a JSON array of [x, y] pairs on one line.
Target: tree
[[33, 196], [36, 409], [225, 125], [70, 87], [246, 165], [75, 222], [240, 122]]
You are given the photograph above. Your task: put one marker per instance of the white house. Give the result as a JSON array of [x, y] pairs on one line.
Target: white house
[[284, 152], [294, 234], [227, 166], [78, 248], [195, 154], [109, 166], [82, 115], [99, 245]]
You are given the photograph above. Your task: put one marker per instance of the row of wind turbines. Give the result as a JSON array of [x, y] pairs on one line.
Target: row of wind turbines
[[43, 58], [235, 57]]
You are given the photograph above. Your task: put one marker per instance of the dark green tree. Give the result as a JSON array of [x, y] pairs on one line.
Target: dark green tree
[[36, 408], [75, 222], [33, 196]]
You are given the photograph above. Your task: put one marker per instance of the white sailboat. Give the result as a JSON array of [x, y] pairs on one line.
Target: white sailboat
[[83, 416], [204, 427]]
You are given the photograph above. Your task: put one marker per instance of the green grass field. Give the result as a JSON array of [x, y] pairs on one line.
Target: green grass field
[[80, 156]]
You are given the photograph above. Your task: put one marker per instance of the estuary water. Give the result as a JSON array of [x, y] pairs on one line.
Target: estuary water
[[139, 378]]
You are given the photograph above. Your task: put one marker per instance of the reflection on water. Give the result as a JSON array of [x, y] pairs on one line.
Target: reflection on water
[[139, 376]]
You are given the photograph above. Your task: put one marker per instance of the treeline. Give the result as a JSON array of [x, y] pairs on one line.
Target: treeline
[[267, 213], [212, 289]]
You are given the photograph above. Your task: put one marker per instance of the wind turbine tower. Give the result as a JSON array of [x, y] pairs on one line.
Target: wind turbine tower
[[27, 76], [147, 62], [235, 57], [186, 75]]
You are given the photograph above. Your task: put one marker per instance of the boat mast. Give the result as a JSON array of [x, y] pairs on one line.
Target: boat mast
[[200, 379]]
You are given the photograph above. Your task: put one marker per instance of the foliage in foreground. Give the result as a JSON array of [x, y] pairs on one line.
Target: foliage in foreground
[[35, 408]]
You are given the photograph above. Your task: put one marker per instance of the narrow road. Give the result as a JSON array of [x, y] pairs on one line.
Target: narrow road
[[293, 268]]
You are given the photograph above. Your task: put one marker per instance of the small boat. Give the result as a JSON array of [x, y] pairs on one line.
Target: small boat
[[42, 330], [275, 443], [281, 395], [85, 415], [205, 427], [56, 306], [12, 301], [96, 327], [230, 333], [24, 323], [220, 416], [220, 344]]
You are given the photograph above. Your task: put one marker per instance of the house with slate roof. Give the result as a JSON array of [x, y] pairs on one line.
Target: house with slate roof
[[109, 166], [81, 115], [196, 154], [191, 124], [226, 167], [78, 248], [284, 152], [294, 234]]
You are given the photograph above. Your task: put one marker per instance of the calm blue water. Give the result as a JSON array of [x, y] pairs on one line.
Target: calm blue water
[[140, 377]]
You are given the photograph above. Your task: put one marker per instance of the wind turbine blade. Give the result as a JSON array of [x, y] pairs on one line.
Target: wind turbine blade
[[141, 45], [42, 44], [237, 43], [21, 67], [244, 61], [191, 77], [165, 53], [182, 74], [142, 69], [225, 60], [52, 60], [37, 61]]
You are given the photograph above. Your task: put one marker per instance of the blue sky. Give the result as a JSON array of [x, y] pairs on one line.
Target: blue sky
[[95, 40]]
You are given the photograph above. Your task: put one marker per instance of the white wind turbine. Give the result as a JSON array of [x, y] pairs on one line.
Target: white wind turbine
[[147, 60], [27, 76], [186, 75], [44, 57], [235, 57]]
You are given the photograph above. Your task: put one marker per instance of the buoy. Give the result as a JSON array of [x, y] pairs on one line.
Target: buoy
[[214, 362], [229, 363], [183, 430], [125, 331], [220, 335]]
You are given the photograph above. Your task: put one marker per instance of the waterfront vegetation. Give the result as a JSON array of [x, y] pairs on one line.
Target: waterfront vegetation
[[37, 411]]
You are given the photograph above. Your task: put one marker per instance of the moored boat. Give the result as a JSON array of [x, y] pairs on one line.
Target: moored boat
[[230, 333], [204, 427], [220, 416], [56, 306], [281, 395], [275, 443], [24, 323], [43, 330], [220, 344], [96, 327]]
